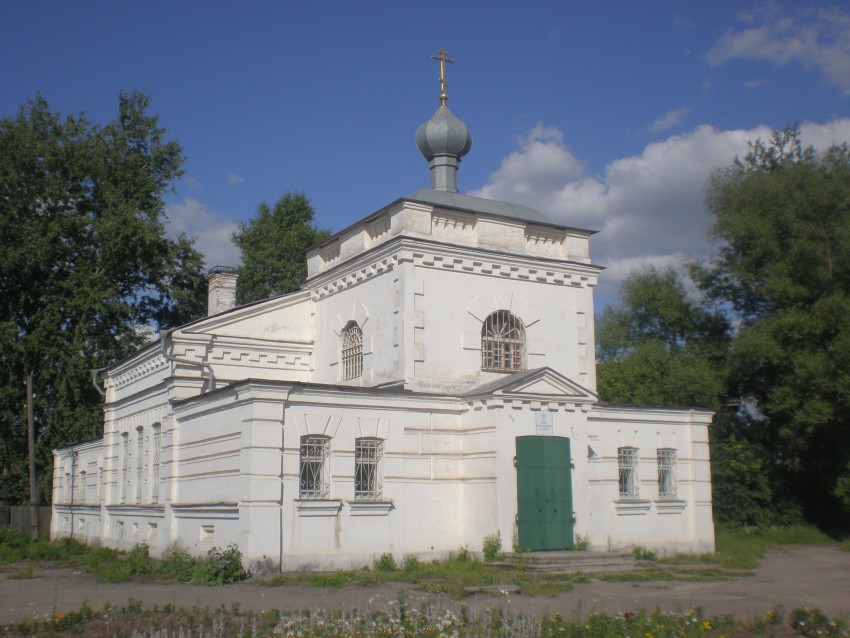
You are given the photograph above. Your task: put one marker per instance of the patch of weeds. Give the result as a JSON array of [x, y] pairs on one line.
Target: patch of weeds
[[278, 580], [642, 553], [411, 564], [812, 622], [581, 543], [22, 573], [463, 555], [492, 547], [331, 579], [434, 587], [385, 563], [221, 567], [845, 546], [743, 547], [663, 573]]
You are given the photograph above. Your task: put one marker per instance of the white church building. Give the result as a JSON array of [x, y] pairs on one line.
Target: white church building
[[432, 383]]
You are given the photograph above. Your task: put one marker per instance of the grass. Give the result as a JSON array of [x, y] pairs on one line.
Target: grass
[[113, 566], [737, 551], [742, 548], [401, 619]]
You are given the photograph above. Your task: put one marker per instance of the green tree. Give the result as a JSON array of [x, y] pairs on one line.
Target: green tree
[[273, 246], [85, 266], [782, 225], [657, 346]]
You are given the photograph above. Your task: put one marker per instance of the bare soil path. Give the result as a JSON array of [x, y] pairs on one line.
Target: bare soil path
[[795, 577]]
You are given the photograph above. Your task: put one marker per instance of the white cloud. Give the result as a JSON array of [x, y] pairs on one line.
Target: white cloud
[[234, 179], [212, 231], [817, 39], [648, 207], [753, 84], [669, 119]]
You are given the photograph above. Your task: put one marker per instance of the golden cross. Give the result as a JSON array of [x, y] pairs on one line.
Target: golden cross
[[443, 84]]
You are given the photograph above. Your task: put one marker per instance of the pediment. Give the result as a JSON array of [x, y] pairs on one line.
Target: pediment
[[540, 384]]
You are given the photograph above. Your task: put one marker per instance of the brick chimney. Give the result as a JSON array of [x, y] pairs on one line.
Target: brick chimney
[[221, 290]]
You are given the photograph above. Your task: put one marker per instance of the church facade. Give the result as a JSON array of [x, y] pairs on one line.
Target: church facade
[[432, 383]]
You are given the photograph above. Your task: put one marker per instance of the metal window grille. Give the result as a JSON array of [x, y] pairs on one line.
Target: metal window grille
[[627, 464], [125, 463], [368, 483], [314, 471], [502, 342], [157, 450], [667, 473], [140, 453], [352, 352]]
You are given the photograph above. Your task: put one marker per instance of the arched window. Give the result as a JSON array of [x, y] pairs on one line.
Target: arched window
[[502, 343], [352, 351]]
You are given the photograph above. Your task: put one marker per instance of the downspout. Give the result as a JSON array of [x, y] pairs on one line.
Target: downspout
[[283, 432], [163, 337]]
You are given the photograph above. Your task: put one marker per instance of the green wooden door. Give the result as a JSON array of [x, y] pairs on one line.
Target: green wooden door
[[544, 492]]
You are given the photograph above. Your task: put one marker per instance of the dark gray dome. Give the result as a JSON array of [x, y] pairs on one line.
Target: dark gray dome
[[443, 134]]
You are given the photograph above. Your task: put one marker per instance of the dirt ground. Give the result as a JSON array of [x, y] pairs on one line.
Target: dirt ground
[[796, 577]]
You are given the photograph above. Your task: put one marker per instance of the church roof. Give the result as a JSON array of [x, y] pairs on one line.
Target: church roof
[[479, 205]]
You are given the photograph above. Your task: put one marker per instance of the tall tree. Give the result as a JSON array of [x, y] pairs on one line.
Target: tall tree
[[657, 346], [782, 225], [85, 265], [273, 246]]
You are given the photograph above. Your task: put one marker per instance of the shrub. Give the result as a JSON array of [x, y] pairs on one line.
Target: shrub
[[222, 566], [411, 564], [386, 563], [492, 547]]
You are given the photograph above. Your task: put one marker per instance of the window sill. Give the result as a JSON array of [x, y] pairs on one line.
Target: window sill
[[670, 505], [371, 508], [318, 507], [631, 506]]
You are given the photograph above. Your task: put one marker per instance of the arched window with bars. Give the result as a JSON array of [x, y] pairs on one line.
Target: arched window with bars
[[352, 351], [502, 343]]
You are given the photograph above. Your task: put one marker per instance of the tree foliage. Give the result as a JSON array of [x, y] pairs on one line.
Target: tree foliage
[[85, 265], [273, 246], [657, 346], [782, 225]]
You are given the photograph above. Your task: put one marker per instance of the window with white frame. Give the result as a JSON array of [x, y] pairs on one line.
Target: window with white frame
[[627, 464], [667, 473], [140, 456], [352, 351], [155, 456], [502, 343], [314, 474], [125, 464], [368, 483]]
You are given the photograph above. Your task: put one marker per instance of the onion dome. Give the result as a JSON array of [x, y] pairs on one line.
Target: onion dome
[[443, 134]]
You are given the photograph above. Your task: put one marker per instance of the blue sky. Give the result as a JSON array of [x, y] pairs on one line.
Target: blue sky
[[605, 115]]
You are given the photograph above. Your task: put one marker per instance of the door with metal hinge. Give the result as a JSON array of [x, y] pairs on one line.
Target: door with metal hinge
[[544, 492]]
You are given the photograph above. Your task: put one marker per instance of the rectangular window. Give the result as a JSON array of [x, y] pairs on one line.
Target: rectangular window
[[83, 491], [367, 469], [666, 473], [157, 451], [314, 475], [140, 457], [627, 464], [125, 463]]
